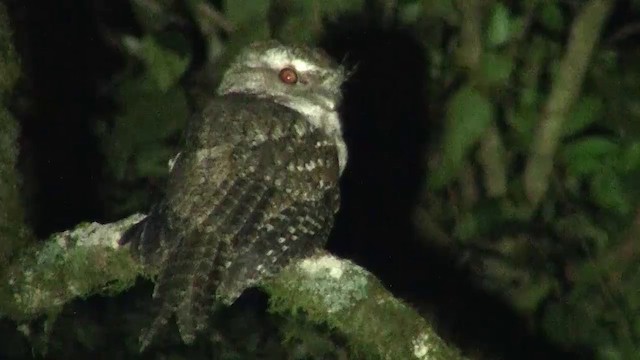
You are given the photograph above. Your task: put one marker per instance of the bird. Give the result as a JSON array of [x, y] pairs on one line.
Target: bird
[[254, 187]]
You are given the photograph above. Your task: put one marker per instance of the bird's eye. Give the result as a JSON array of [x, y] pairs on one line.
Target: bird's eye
[[288, 76]]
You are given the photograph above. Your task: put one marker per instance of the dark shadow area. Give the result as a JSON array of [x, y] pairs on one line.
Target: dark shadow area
[[65, 61], [386, 128]]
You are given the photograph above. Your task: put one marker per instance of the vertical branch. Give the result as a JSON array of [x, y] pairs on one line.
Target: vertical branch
[[565, 89], [13, 232], [469, 55], [491, 157], [470, 49]]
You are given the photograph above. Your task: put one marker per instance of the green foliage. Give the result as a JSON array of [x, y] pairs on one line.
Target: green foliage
[[588, 110], [496, 69], [164, 64], [250, 18], [302, 21], [551, 16], [469, 114], [152, 110], [589, 155], [500, 26], [568, 261]]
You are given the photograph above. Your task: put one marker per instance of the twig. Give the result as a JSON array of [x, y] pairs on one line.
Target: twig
[[216, 18], [623, 32], [565, 89]]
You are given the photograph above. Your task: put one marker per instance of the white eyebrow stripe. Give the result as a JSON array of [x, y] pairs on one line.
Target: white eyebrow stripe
[[278, 58], [304, 66]]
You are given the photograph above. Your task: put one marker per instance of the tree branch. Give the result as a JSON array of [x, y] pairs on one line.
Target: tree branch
[[565, 89], [88, 260], [76, 263]]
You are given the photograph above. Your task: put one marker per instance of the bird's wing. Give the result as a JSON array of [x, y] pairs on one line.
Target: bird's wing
[[274, 211], [293, 231], [215, 239]]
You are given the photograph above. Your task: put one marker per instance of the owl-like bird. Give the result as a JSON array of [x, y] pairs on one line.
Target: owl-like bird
[[254, 187]]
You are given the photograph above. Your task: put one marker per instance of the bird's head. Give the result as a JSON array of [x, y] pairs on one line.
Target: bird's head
[[301, 78]]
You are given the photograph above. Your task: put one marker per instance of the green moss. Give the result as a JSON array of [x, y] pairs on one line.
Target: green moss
[[352, 302], [77, 263]]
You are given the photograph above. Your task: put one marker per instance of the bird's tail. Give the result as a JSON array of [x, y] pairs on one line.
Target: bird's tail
[[147, 238]]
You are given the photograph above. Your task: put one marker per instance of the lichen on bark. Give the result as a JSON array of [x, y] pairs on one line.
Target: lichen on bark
[[353, 302], [71, 264]]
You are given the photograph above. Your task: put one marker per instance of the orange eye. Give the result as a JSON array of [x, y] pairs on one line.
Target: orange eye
[[288, 76]]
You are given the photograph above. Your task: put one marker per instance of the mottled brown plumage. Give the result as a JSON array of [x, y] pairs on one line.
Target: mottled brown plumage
[[254, 187]]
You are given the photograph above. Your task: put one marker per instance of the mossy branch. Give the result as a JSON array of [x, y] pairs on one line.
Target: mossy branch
[[76, 263], [88, 260], [565, 89]]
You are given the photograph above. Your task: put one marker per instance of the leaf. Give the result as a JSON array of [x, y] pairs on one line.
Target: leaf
[[165, 65], [151, 160], [410, 13], [152, 15], [608, 191], [586, 112], [496, 68], [499, 30], [469, 114], [303, 21], [442, 9], [486, 216], [148, 118], [529, 296], [580, 226], [630, 158], [250, 19], [551, 16], [588, 155]]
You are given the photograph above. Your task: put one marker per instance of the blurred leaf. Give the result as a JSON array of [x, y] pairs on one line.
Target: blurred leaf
[[518, 27], [442, 9], [528, 297], [588, 155], [580, 226], [530, 97], [608, 191], [302, 21], [493, 159], [496, 68], [151, 159], [410, 12], [149, 117], [551, 16], [469, 114], [522, 121], [152, 15], [630, 158], [484, 218], [586, 111], [250, 19], [163, 64], [499, 30]]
